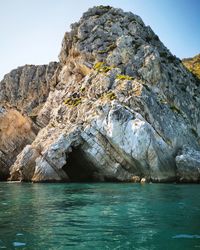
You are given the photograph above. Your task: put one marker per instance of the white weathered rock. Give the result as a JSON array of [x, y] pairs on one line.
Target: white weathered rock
[[24, 166], [188, 165]]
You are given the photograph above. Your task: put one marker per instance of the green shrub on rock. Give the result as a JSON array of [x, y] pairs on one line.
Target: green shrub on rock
[[124, 77]]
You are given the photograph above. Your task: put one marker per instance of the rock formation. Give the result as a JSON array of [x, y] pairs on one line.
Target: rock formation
[[121, 108], [23, 92], [193, 64], [188, 165]]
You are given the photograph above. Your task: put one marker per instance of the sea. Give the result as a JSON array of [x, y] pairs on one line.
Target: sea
[[99, 216]]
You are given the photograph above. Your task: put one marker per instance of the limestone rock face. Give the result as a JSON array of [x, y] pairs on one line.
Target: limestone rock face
[[23, 92], [27, 87], [122, 107], [188, 165], [15, 133]]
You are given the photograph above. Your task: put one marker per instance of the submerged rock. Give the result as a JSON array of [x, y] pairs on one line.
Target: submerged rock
[[121, 108]]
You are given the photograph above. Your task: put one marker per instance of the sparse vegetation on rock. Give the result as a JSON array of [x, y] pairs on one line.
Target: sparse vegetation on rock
[[193, 64]]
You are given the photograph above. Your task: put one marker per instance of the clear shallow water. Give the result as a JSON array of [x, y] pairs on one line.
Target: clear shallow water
[[99, 216]]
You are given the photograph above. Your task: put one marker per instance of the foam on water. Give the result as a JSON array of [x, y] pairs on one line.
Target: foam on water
[[186, 236]]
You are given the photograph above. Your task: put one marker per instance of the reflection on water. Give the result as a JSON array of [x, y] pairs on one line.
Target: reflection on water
[[99, 216]]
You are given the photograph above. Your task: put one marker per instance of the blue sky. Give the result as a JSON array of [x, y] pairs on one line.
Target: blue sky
[[32, 30]]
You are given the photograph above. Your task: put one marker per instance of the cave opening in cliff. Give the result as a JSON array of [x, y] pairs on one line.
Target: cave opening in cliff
[[79, 168], [4, 177]]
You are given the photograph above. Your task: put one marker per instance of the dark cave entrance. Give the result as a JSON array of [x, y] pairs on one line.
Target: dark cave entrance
[[4, 176], [79, 168]]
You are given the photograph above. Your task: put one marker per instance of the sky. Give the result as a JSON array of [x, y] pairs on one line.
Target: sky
[[32, 30]]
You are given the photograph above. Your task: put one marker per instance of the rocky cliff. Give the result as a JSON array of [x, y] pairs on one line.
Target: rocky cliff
[[121, 108], [23, 92]]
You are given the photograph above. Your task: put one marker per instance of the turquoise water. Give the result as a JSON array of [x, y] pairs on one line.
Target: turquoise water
[[99, 216]]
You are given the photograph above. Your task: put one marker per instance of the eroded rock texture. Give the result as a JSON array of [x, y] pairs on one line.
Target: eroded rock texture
[[15, 133], [27, 87], [23, 92], [188, 165], [122, 107]]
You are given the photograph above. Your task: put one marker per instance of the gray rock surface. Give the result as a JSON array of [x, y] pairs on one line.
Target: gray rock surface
[[23, 92], [122, 107], [26, 88], [188, 165]]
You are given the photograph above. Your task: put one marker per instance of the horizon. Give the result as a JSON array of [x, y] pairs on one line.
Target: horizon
[[32, 32]]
